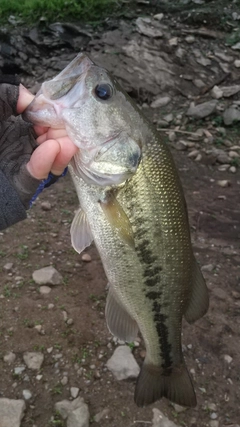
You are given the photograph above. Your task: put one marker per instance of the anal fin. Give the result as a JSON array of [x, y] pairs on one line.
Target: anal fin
[[119, 321], [176, 385], [199, 300]]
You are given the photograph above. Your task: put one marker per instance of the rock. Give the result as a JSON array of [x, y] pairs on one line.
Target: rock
[[168, 118], [213, 416], [46, 206], [228, 358], [33, 360], [9, 357], [222, 157], [223, 56], [190, 39], [236, 46], [214, 423], [223, 183], [220, 293], [11, 412], [179, 408], [122, 363], [74, 392], [193, 154], [159, 16], [237, 63], [230, 90], [173, 41], [203, 110], [98, 417], [47, 275], [27, 394], [198, 158], [79, 417], [233, 154], [44, 290], [8, 266], [19, 370], [64, 380], [231, 114], [63, 407], [172, 136], [148, 27], [159, 420], [161, 101], [86, 258], [216, 92], [208, 267], [181, 146], [233, 169]]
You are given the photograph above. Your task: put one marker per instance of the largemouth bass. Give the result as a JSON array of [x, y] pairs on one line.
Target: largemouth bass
[[132, 206]]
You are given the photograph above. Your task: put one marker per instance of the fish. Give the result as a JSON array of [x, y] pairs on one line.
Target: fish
[[132, 206]]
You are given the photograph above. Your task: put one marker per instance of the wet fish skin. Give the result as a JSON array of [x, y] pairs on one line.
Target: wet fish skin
[[133, 207]]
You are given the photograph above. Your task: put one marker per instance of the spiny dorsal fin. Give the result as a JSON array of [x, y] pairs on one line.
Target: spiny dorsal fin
[[80, 231], [199, 301], [119, 322], [118, 219]]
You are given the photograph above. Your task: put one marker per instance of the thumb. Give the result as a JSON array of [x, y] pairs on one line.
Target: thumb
[[40, 163]]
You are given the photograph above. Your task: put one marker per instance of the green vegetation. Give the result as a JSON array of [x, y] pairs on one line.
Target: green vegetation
[[52, 10]]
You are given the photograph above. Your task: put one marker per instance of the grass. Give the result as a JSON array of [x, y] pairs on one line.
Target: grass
[[52, 10]]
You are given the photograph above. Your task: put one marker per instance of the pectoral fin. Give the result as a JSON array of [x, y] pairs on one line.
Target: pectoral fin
[[118, 220], [81, 235], [119, 322], [199, 301]]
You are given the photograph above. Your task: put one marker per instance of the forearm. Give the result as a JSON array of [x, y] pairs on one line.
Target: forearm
[[12, 210]]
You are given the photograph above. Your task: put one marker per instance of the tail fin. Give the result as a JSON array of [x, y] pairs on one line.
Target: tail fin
[[152, 384]]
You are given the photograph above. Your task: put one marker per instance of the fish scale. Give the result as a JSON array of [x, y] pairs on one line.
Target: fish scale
[[132, 206]]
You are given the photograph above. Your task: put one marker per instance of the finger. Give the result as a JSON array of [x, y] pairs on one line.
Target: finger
[[68, 149], [41, 130], [24, 99], [43, 158], [51, 134]]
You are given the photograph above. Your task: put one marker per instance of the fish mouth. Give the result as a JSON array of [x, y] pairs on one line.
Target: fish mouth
[[49, 103]]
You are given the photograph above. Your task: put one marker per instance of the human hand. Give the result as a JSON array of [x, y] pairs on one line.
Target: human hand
[[55, 148]]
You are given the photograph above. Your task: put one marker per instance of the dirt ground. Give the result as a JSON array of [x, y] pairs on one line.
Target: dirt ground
[[80, 350]]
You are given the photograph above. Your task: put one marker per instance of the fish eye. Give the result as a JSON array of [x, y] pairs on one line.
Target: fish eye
[[103, 91]]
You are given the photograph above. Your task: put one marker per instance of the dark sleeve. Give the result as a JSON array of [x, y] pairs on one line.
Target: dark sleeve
[[12, 210]]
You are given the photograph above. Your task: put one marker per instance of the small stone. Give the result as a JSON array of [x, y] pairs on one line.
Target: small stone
[[49, 350], [145, 26], [168, 118], [39, 377], [231, 114], [198, 158], [160, 420], [233, 169], [214, 423], [203, 110], [64, 380], [98, 417], [38, 328], [179, 408], [122, 363], [33, 360], [220, 293], [46, 206], [237, 63], [27, 394], [79, 417], [223, 183], [208, 267], [233, 154], [213, 416], [223, 158], [8, 266], [236, 46], [228, 358], [69, 322], [11, 412], [181, 146], [216, 92], [44, 290], [74, 392], [190, 39], [223, 168], [173, 41], [19, 370], [9, 357], [212, 406], [161, 101], [193, 154], [50, 306], [47, 275], [159, 16], [86, 258], [172, 136]]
